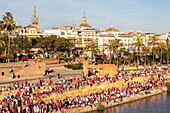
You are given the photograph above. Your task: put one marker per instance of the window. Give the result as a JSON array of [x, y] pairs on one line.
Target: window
[[62, 33]]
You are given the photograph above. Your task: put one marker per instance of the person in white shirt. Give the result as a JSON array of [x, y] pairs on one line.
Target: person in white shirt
[[35, 109]]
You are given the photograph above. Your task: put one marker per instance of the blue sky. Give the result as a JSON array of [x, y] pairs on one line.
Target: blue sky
[[148, 15]]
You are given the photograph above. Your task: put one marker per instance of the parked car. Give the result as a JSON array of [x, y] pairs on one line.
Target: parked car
[[24, 58]]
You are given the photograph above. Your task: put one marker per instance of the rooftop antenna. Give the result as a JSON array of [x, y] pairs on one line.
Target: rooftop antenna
[[111, 24], [84, 14]]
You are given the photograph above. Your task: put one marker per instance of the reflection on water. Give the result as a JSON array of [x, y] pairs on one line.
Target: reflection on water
[[155, 104]]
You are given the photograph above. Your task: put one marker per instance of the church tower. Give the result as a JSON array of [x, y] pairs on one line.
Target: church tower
[[84, 24], [34, 21], [84, 18]]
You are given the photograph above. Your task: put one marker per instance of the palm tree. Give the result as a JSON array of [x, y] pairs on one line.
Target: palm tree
[[117, 44], [145, 49], [91, 46], [167, 48], [138, 43], [153, 42], [2, 43], [60, 56], [129, 59], [161, 45], [8, 25], [109, 45]]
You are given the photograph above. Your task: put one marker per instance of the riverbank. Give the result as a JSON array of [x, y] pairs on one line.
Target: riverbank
[[87, 109], [97, 93]]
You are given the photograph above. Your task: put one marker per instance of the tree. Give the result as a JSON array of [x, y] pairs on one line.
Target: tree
[[145, 49], [63, 42], [123, 50], [109, 45], [46, 42], [167, 48], [161, 46], [91, 46], [52, 42], [117, 44], [15, 43], [138, 44], [60, 56], [2, 45], [153, 42], [2, 39], [129, 59], [8, 24]]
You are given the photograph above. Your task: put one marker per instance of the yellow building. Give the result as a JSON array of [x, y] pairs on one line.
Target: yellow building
[[30, 31]]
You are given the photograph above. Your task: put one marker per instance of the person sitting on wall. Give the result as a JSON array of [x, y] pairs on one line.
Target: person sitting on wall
[[13, 75], [10, 70]]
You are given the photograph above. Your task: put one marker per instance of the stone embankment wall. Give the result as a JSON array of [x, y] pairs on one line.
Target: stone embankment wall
[[110, 69], [36, 69], [14, 65]]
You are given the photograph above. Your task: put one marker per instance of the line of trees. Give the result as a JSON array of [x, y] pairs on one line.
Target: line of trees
[[156, 52], [51, 42]]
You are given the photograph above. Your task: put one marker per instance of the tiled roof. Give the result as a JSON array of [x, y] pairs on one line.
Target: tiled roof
[[30, 26], [84, 25], [20, 26], [111, 29]]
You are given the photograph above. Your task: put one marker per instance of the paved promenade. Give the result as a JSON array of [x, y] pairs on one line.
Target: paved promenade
[[59, 68]]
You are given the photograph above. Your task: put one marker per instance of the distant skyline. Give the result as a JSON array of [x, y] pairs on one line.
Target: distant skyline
[[146, 15]]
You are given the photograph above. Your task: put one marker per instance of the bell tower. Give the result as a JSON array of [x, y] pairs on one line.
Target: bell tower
[[34, 21]]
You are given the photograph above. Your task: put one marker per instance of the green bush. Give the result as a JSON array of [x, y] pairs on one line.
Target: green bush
[[74, 66], [168, 86], [141, 62], [74, 59], [70, 59], [9, 56], [152, 63], [100, 107], [159, 75], [85, 58], [2, 59], [68, 66], [115, 62], [106, 61]]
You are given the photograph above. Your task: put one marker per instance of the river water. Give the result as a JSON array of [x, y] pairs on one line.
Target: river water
[[156, 104]]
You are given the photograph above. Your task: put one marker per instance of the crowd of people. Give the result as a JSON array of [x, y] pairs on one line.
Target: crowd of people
[[27, 96]]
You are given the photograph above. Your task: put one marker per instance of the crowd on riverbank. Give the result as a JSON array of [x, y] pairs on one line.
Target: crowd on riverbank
[[73, 82], [30, 100]]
